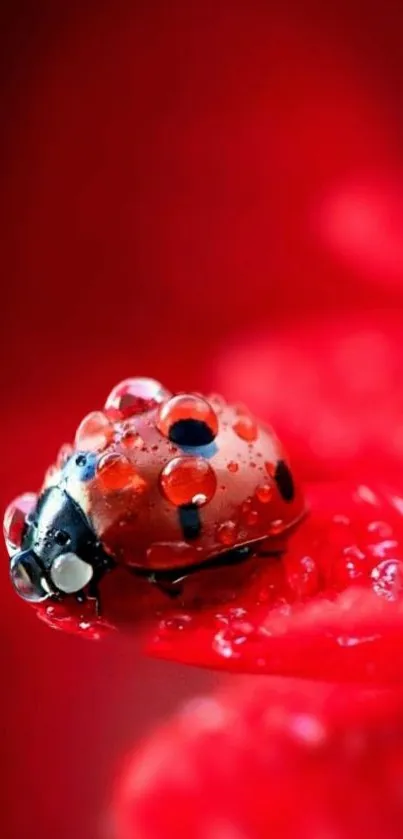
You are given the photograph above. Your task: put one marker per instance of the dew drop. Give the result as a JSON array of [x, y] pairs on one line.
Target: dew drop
[[227, 533], [115, 472], [135, 396], [246, 428], [188, 480], [276, 527], [232, 466], [63, 455], [94, 433], [188, 420], [217, 402], [130, 439], [15, 518], [387, 579], [264, 493]]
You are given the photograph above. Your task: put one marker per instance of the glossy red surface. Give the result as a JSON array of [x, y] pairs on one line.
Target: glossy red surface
[[277, 758], [164, 169]]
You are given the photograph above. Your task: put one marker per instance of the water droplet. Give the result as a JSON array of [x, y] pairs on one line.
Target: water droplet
[[232, 466], [135, 396], [185, 479], [15, 518], [252, 518], [94, 433], [188, 420], [63, 455], [252, 465], [264, 493], [270, 468], [380, 529], [276, 527], [227, 533], [130, 439], [115, 472], [246, 428], [217, 402], [387, 579]]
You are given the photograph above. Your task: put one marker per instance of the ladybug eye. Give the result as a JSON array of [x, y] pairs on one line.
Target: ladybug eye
[[26, 577], [70, 574], [188, 420]]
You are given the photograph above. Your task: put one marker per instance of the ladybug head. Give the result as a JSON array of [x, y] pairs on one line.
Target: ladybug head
[[59, 552]]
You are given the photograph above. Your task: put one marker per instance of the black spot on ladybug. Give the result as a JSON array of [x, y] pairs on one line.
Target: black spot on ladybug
[[284, 481], [189, 517], [190, 432]]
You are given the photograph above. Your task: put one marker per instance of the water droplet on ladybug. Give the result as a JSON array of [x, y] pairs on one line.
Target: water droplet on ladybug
[[217, 402], [135, 396], [15, 519], [232, 466], [264, 493], [130, 439], [94, 433], [276, 527], [188, 420], [115, 472], [63, 455], [227, 533], [188, 480], [246, 428], [26, 578]]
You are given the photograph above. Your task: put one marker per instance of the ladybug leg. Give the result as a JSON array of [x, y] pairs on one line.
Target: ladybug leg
[[92, 594], [173, 588]]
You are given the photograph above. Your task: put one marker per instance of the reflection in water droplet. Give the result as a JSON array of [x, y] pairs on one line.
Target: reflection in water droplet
[[188, 480], [246, 428]]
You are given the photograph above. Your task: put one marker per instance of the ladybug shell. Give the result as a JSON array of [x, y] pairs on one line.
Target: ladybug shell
[[156, 504]]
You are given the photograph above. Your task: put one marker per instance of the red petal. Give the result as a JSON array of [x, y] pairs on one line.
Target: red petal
[[331, 607], [279, 759]]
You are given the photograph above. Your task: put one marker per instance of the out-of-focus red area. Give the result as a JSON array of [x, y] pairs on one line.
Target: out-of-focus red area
[[174, 177], [273, 759]]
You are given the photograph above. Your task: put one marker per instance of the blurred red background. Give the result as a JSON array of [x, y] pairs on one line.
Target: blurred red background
[[210, 194]]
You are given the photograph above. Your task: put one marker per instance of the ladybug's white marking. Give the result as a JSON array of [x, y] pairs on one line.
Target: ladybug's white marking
[[70, 574]]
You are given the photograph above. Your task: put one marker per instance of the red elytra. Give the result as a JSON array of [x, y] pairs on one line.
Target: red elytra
[[275, 758], [330, 607]]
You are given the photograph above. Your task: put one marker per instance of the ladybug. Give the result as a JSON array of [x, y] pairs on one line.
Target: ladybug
[[164, 484]]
